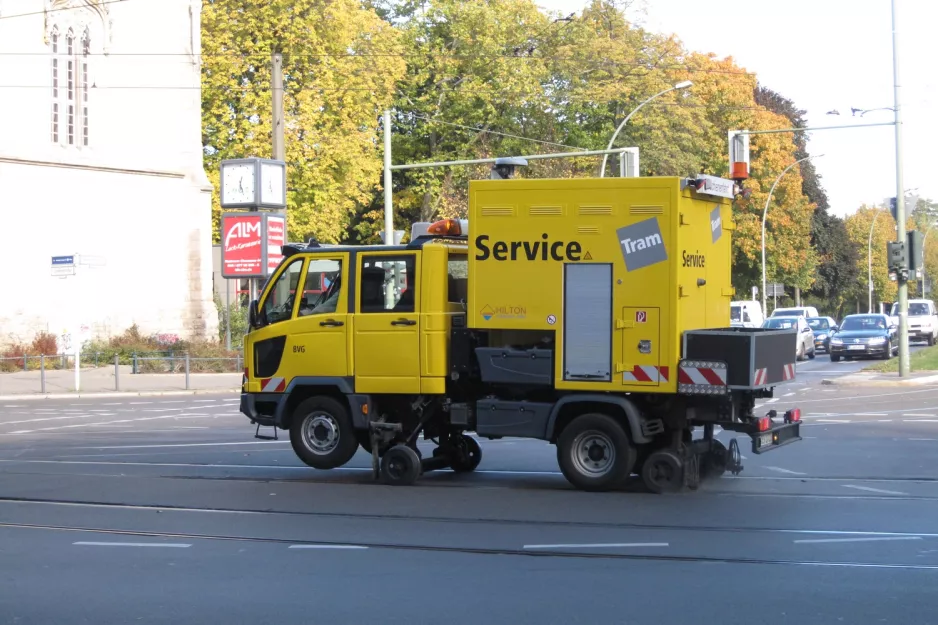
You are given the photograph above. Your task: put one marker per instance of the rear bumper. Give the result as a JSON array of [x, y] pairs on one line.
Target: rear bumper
[[778, 436]]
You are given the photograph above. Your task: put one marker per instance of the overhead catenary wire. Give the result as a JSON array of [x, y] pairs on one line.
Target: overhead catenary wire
[[57, 9], [493, 132]]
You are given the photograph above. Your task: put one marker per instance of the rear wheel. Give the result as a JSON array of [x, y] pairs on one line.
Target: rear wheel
[[930, 340], [466, 455], [322, 434], [812, 353], [663, 472], [800, 355], [595, 454]]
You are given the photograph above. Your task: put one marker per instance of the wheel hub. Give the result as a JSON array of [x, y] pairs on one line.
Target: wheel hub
[[594, 453], [321, 433]]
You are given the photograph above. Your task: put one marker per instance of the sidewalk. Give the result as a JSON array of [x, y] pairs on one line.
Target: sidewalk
[[96, 382], [872, 378]]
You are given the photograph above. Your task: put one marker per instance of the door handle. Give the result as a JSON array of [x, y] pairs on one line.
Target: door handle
[[332, 323], [404, 322]]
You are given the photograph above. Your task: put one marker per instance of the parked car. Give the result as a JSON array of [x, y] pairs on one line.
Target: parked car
[[797, 311], [822, 327], [746, 314], [865, 336], [923, 320], [804, 337]]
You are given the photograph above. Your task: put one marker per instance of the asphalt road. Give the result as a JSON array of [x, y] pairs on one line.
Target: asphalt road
[[166, 510]]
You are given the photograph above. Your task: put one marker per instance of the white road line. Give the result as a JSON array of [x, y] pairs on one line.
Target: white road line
[[833, 420], [874, 490], [920, 420], [856, 540], [82, 425], [161, 410], [787, 394], [918, 414], [884, 420], [772, 401], [781, 470], [139, 403], [76, 416], [327, 547], [204, 401], [113, 403], [188, 445], [106, 544], [923, 439], [595, 545], [871, 414]]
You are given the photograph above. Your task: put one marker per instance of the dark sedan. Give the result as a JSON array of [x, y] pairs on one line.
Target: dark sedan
[[823, 328], [864, 336]]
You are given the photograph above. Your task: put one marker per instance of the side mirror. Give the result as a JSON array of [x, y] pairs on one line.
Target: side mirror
[[252, 313]]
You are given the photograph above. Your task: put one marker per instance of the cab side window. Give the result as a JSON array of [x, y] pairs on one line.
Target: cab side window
[[323, 288], [457, 269], [387, 284], [278, 305]]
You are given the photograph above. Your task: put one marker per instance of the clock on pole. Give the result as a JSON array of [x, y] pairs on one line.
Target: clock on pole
[[254, 183]]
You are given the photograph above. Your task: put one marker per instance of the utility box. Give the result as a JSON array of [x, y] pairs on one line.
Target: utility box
[[613, 271]]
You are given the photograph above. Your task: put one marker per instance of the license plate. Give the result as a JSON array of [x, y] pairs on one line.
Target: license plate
[[765, 440], [857, 347]]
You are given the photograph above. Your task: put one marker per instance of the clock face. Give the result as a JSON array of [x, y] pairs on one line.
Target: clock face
[[237, 183], [272, 184]]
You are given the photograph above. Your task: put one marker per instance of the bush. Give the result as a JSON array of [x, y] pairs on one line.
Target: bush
[[239, 322]]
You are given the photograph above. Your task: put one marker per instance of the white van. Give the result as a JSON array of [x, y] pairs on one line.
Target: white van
[[746, 314], [923, 320], [799, 311]]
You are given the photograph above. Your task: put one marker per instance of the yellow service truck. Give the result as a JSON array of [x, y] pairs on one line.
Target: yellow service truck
[[590, 313]]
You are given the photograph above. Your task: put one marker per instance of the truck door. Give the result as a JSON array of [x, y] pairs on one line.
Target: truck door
[[387, 325], [305, 334]]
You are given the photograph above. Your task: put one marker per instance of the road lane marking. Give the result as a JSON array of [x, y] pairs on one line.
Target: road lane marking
[[79, 416], [833, 420], [595, 545], [871, 414], [923, 439], [139, 403], [110, 544], [787, 394], [327, 547], [920, 420], [856, 540], [917, 414], [874, 490], [884, 421], [781, 470], [281, 442]]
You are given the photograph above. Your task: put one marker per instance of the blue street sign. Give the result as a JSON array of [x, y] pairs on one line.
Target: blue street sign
[[59, 261]]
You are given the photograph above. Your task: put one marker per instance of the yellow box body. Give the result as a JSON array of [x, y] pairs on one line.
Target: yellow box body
[[665, 252]]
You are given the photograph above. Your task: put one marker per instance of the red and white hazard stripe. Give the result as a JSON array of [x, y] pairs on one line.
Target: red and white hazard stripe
[[788, 372], [643, 373], [273, 385], [761, 376], [702, 375]]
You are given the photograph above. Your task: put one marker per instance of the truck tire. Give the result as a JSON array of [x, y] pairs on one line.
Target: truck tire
[[467, 455], [322, 433], [663, 472], [595, 454]]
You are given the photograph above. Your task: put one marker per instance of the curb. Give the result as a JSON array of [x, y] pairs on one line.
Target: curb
[[846, 381], [111, 394]]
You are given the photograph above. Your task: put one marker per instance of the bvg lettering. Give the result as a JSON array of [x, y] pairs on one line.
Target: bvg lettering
[[694, 260], [528, 250]]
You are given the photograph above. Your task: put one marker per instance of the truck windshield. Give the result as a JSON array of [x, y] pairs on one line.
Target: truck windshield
[[735, 313], [918, 310]]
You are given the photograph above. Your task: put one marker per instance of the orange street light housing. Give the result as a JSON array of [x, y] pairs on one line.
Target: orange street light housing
[[739, 155]]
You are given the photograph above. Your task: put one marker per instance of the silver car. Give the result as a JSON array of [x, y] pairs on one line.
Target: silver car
[[804, 335]]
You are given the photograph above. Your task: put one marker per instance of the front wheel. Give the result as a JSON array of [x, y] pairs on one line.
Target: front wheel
[[595, 454], [322, 434], [812, 354], [930, 340], [466, 455]]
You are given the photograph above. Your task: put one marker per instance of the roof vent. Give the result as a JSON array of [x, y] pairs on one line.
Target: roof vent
[[504, 168]]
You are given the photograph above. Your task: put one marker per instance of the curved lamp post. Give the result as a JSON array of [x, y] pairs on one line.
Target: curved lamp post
[[681, 85], [869, 279], [765, 212]]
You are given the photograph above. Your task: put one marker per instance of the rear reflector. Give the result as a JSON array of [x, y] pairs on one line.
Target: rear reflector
[[765, 424], [793, 415]]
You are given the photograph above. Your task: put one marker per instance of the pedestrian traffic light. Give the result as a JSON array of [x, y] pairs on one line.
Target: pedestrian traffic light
[[914, 245], [896, 255]]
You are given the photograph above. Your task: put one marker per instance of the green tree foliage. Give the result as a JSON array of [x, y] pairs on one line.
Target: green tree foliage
[[341, 65], [883, 227]]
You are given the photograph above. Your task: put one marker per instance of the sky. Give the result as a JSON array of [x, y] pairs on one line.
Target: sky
[[827, 55]]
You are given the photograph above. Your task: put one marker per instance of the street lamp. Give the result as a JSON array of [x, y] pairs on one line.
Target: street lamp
[[765, 212], [681, 85]]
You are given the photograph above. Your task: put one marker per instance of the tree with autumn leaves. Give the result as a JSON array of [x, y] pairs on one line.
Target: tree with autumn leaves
[[481, 78]]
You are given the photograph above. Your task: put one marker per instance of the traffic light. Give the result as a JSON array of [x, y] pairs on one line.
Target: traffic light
[[896, 255], [914, 240]]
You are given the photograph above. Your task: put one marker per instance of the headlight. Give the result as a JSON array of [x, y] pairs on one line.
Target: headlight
[[836, 341], [821, 336], [878, 340]]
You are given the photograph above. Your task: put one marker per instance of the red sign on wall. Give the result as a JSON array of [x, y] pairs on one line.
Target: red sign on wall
[[251, 244]]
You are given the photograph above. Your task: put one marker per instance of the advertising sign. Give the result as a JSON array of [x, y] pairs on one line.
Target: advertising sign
[[276, 239], [251, 244], [241, 245]]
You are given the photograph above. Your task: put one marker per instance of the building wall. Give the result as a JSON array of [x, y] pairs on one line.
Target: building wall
[[135, 201]]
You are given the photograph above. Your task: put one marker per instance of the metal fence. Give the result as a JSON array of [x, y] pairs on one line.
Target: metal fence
[[144, 362]]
